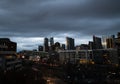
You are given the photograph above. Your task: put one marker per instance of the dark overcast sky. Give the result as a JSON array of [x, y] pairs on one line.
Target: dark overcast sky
[[80, 19]]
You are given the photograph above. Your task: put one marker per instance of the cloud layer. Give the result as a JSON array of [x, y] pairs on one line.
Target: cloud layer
[[59, 18]]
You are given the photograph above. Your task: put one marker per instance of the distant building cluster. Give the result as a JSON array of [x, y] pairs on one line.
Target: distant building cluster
[[105, 50], [49, 45], [98, 43]]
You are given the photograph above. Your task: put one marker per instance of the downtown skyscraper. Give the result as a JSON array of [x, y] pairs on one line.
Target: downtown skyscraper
[[51, 41], [70, 43], [108, 41], [46, 45], [97, 42]]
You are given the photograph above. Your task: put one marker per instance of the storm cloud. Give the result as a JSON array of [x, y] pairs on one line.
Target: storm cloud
[[59, 18]]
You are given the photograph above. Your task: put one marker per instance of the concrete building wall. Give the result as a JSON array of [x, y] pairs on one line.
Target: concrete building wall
[[100, 56]]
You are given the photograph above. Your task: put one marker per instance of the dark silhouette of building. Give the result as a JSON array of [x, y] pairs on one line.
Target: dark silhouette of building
[[57, 44], [40, 48], [84, 47], [51, 41], [118, 35], [8, 55], [97, 42], [117, 42], [46, 45], [110, 42], [91, 45], [63, 46], [52, 46], [35, 50], [7, 45], [70, 43]]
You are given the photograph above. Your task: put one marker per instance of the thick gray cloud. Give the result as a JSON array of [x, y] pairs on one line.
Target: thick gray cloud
[[59, 18]]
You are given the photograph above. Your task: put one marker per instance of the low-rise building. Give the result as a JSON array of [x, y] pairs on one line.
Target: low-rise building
[[8, 57], [96, 56]]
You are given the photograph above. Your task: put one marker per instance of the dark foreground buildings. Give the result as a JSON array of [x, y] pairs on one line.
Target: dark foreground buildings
[[8, 57]]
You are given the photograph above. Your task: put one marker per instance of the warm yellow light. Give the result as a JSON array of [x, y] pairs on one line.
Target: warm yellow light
[[8, 57], [92, 62]]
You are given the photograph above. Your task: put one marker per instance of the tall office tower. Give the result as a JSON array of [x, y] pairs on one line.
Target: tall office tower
[[63, 46], [97, 42], [70, 43], [51, 41], [40, 48], [108, 42], [46, 45], [52, 46], [104, 43]]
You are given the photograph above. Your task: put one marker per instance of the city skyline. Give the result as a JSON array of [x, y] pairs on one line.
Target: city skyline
[[34, 43], [27, 22]]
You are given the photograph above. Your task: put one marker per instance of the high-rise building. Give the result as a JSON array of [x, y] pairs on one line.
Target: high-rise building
[[108, 42], [104, 43], [46, 45], [40, 48], [51, 41], [97, 42], [70, 43], [52, 46]]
